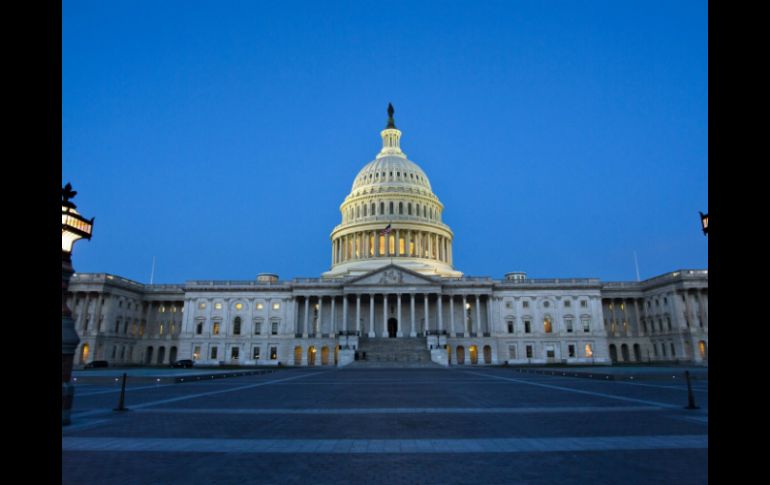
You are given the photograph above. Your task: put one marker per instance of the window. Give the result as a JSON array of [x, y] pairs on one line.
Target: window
[[237, 326], [527, 328], [273, 353], [547, 326], [199, 328], [215, 330], [511, 351], [529, 351], [239, 306], [583, 304], [234, 353], [673, 350], [260, 306], [568, 324], [257, 328], [213, 353], [161, 329], [163, 309], [217, 306], [276, 306], [546, 304], [255, 355], [201, 306], [589, 351], [571, 350], [274, 329], [508, 304], [586, 324], [567, 303], [510, 326], [525, 304]]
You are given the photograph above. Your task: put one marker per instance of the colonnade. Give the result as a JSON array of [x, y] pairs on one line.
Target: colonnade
[[399, 243], [369, 314]]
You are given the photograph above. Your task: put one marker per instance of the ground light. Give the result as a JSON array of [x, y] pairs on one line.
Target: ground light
[[73, 228]]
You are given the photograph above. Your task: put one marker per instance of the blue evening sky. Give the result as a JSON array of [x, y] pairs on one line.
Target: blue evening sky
[[221, 137]]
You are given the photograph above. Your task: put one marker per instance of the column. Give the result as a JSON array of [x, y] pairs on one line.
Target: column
[[371, 315], [440, 316], [427, 324], [479, 333], [637, 316], [98, 315], [333, 322], [307, 310], [398, 253], [385, 315], [465, 317], [411, 301], [452, 332], [320, 329], [489, 314], [398, 318], [345, 313], [358, 314]]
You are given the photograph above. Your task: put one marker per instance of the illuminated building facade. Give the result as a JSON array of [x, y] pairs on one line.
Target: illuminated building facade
[[392, 282]]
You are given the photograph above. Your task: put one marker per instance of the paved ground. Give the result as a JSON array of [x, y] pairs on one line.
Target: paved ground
[[475, 425]]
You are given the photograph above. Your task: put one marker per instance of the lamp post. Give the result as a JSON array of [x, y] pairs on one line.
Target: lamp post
[[704, 221], [73, 227]]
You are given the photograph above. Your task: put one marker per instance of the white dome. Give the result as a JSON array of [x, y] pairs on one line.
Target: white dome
[[393, 171]]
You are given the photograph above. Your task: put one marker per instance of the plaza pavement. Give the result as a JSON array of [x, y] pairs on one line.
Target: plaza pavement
[[475, 425]]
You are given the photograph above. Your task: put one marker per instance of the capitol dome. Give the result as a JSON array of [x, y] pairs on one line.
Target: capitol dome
[[391, 216]]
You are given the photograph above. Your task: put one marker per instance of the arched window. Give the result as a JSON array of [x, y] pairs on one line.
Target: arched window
[[418, 210], [382, 208], [391, 207], [373, 207], [409, 209], [364, 210], [237, 326], [401, 208], [358, 212]]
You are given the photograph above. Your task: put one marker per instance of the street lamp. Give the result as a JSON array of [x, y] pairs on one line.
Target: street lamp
[[704, 220], [73, 227]]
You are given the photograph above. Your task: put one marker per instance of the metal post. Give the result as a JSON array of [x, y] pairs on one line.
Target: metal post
[[121, 406], [690, 397]]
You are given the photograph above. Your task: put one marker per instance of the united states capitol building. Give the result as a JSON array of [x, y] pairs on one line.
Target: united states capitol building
[[392, 296]]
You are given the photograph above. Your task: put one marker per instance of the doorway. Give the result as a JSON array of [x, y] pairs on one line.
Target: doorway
[[392, 328]]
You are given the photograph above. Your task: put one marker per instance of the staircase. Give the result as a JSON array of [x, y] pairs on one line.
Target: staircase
[[393, 353]]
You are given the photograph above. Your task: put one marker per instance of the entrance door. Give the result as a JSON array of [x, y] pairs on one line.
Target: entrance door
[[392, 327]]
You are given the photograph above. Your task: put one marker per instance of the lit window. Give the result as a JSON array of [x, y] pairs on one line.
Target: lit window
[[239, 306], [215, 330], [273, 353], [547, 327], [163, 309], [589, 351], [217, 306], [197, 352], [260, 306], [173, 309], [276, 306], [201, 306], [161, 329]]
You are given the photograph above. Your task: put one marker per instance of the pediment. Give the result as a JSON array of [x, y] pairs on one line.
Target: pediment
[[392, 275]]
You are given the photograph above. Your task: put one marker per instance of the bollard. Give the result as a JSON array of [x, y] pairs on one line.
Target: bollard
[[690, 397], [121, 406]]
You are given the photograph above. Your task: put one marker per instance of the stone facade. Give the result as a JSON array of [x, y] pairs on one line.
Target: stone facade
[[392, 277]]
